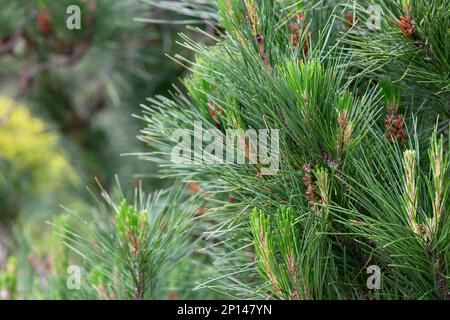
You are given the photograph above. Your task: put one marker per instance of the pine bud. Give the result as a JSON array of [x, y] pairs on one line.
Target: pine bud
[[310, 182], [194, 187], [438, 166], [295, 29]]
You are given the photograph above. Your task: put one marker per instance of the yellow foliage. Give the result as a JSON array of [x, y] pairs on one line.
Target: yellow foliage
[[30, 148]]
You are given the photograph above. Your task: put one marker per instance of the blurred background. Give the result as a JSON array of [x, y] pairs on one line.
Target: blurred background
[[67, 96]]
